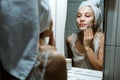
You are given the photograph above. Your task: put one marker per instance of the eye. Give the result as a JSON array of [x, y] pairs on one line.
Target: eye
[[79, 15], [88, 14]]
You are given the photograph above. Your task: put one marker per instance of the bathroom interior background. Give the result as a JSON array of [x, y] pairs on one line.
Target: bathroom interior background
[[63, 13]]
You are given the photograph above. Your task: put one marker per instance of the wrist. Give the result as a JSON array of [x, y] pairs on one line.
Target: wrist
[[87, 48]]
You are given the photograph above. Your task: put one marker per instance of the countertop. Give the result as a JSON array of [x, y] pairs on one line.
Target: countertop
[[84, 74]]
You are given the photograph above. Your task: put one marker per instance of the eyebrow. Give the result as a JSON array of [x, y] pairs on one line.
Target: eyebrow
[[85, 13]]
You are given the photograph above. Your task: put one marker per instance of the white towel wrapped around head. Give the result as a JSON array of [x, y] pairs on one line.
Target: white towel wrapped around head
[[45, 15], [95, 5]]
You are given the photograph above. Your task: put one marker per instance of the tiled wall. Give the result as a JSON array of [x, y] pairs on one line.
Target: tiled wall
[[112, 46], [71, 27], [118, 28]]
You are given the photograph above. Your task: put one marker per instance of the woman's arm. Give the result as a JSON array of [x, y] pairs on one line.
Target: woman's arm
[[96, 61], [51, 35]]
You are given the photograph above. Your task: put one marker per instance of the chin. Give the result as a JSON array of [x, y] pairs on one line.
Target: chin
[[82, 28]]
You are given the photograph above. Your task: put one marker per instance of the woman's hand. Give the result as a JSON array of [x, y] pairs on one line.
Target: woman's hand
[[88, 38], [51, 35], [48, 31]]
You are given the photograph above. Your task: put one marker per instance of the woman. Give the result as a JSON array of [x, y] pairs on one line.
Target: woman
[[87, 46], [19, 35], [55, 62]]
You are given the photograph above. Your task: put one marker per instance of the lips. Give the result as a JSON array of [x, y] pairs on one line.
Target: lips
[[82, 25]]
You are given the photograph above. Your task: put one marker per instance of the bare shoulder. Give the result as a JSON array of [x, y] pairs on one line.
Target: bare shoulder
[[69, 39], [102, 36]]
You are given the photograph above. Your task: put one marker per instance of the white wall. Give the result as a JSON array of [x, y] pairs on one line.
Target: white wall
[[59, 11]]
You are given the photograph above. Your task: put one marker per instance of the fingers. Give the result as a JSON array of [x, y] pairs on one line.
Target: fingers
[[88, 34]]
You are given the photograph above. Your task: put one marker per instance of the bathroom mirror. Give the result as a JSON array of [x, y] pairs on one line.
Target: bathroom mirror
[[71, 27]]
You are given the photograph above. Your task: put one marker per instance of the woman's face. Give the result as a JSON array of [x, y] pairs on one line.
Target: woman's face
[[85, 18]]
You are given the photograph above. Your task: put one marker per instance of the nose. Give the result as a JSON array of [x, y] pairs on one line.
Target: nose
[[82, 18]]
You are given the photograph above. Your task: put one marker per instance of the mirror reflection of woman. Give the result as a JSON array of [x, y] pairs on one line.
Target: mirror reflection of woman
[[87, 46]]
